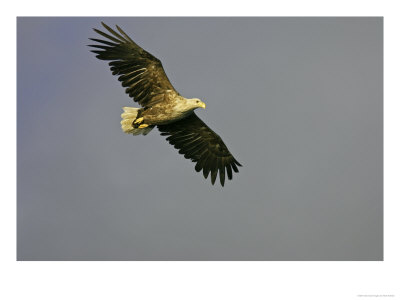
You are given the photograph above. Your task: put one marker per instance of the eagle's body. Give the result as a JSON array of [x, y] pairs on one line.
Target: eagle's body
[[146, 82], [173, 109]]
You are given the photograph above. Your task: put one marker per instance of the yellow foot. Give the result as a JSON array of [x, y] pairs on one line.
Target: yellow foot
[[138, 121], [143, 126]]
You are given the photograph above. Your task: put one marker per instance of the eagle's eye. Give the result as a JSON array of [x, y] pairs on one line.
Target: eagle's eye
[[197, 101]]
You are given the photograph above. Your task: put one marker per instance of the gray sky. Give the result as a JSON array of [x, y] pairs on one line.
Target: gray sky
[[298, 101]]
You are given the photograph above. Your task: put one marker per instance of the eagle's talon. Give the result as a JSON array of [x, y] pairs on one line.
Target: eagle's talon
[[137, 121], [143, 126]]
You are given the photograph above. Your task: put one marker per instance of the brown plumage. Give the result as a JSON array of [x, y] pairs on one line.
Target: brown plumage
[[145, 81]]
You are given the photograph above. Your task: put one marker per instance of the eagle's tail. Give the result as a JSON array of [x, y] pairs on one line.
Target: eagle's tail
[[128, 117]]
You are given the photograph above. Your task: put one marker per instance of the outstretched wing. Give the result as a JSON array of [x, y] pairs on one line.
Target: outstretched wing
[[197, 142], [140, 72]]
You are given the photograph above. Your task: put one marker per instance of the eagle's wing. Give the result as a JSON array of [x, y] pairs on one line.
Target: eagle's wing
[[196, 141], [140, 72]]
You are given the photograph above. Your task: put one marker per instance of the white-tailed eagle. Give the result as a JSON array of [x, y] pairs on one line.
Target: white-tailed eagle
[[145, 81]]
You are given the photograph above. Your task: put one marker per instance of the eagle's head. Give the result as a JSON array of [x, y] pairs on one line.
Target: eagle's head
[[196, 103]]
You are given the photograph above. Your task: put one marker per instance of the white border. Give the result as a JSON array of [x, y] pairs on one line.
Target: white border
[[198, 280]]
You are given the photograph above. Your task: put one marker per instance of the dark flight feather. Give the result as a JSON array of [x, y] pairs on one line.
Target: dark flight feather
[[137, 69], [196, 141]]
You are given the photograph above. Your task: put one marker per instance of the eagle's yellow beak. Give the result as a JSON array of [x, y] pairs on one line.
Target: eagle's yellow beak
[[203, 105]]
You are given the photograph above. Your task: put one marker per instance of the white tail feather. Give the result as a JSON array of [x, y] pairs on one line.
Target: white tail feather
[[128, 116]]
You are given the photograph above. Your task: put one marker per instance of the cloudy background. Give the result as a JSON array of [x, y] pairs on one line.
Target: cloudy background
[[298, 101]]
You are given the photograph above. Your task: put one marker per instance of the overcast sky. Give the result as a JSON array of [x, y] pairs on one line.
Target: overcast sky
[[298, 101]]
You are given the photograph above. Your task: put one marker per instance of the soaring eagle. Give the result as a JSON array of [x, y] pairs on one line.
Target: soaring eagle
[[145, 81]]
